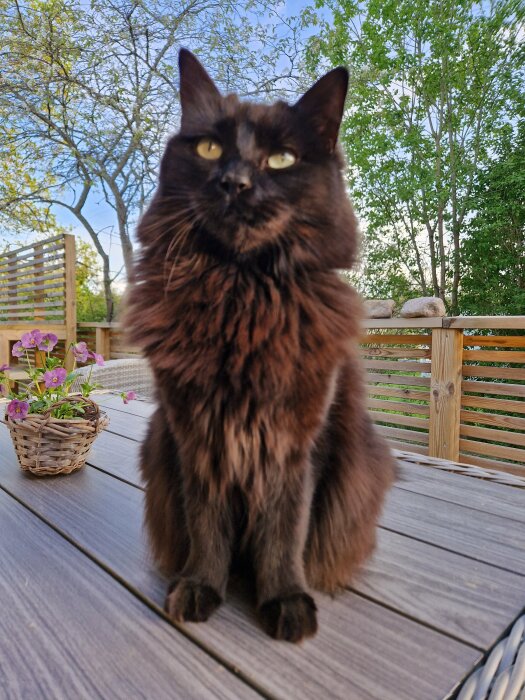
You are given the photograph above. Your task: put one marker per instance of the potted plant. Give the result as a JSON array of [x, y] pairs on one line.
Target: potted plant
[[52, 429]]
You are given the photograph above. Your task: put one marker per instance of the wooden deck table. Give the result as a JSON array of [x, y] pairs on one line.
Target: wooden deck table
[[81, 603]]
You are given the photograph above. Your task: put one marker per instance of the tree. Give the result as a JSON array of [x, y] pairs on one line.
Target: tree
[[89, 289], [432, 85], [92, 87], [493, 252]]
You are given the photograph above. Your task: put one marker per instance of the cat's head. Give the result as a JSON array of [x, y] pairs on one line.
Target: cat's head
[[253, 177]]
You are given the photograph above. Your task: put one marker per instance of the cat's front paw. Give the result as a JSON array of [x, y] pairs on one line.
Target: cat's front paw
[[190, 601], [291, 618]]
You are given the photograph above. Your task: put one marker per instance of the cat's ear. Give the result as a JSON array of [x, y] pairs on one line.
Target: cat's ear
[[198, 92], [322, 106]]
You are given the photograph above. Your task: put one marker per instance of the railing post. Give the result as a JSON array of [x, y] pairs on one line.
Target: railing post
[[445, 393], [103, 341], [70, 311]]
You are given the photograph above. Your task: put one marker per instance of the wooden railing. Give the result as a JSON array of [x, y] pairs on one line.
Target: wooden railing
[[452, 388], [37, 290]]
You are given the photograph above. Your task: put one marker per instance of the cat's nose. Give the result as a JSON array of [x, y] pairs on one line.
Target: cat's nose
[[233, 183]]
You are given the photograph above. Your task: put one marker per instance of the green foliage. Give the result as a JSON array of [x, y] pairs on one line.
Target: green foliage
[[91, 303], [493, 251], [433, 84]]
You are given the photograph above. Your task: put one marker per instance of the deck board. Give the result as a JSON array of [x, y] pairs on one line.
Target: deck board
[[413, 624], [69, 630], [482, 536], [103, 515], [465, 491]]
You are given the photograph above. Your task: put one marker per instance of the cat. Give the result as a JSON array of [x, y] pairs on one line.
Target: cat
[[261, 446]]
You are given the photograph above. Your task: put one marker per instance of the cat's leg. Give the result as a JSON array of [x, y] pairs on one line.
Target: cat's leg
[[200, 588], [354, 468], [286, 610], [164, 506]]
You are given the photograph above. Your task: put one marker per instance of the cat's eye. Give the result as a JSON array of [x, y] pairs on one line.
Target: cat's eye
[[209, 149], [281, 160]]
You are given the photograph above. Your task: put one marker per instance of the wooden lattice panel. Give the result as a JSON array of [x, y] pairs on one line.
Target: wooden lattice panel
[[492, 419], [398, 381], [33, 283]]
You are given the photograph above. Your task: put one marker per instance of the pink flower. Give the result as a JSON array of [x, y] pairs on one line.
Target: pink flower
[[99, 359], [129, 396], [4, 368], [17, 410], [18, 349], [80, 352], [31, 340], [54, 377], [47, 342]]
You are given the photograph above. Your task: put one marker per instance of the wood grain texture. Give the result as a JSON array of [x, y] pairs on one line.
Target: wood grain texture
[[397, 419], [398, 379], [504, 341], [445, 393], [495, 419], [514, 373], [465, 491], [481, 433], [68, 630], [400, 434], [362, 651], [136, 408], [442, 589], [511, 356], [485, 448], [398, 365], [493, 404], [497, 388], [481, 536], [397, 339], [509, 467], [418, 394], [512, 322], [126, 424], [421, 409]]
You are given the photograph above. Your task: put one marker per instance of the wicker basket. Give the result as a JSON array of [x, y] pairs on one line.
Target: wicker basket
[[46, 445]]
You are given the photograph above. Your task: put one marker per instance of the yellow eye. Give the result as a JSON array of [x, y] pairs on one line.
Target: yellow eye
[[278, 161], [209, 149]]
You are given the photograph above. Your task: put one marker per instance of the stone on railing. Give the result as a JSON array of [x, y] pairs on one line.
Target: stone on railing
[[423, 307], [379, 308]]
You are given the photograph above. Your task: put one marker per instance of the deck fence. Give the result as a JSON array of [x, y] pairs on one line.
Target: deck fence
[[451, 387]]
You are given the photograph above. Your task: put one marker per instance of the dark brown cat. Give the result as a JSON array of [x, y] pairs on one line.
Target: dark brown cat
[[261, 445]]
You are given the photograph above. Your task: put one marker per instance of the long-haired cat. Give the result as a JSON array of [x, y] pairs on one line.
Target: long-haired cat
[[261, 445]]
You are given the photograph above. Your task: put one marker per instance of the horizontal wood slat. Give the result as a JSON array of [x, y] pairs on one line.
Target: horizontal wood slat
[[496, 420], [407, 446], [398, 379], [418, 394], [481, 433], [494, 372], [510, 341], [24, 273], [493, 404], [486, 448], [403, 406], [398, 366], [395, 418], [397, 339], [494, 355], [515, 390], [58, 278], [400, 434], [478, 461], [395, 353]]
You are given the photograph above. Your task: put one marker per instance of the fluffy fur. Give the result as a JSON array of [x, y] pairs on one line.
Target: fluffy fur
[[261, 445]]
